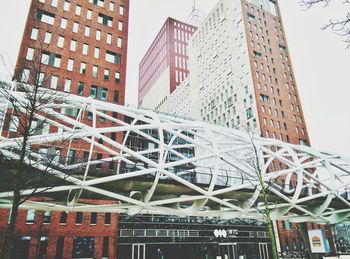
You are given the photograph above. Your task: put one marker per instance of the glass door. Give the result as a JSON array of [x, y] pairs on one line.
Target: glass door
[[264, 251], [228, 251], [138, 251]]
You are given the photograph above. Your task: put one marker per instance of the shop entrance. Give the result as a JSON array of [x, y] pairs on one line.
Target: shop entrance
[[264, 251], [138, 251], [228, 251]]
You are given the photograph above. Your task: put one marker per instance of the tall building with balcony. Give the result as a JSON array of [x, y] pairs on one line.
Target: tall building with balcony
[[164, 65], [78, 47]]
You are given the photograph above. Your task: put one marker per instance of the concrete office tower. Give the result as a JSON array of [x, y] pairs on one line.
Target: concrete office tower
[[164, 65], [84, 52], [241, 76]]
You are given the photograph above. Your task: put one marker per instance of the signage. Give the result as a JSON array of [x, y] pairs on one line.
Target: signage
[[224, 233], [317, 241]]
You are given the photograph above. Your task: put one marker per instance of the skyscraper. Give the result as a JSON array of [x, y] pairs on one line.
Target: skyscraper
[[81, 48], [164, 65], [241, 76]]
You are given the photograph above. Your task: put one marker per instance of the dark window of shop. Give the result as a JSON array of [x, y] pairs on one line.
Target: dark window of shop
[[59, 248], [63, 217], [287, 245], [21, 247], [79, 218], [107, 218], [116, 97], [43, 247], [83, 247], [93, 219], [98, 157], [105, 246]]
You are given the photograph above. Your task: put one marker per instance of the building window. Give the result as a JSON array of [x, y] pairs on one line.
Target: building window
[[107, 218], [85, 49], [98, 35], [66, 6], [30, 54], [34, 34], [116, 96], [105, 247], [111, 6], [80, 88], [105, 19], [47, 38], [93, 219], [83, 247], [45, 17], [109, 38], [78, 218], [60, 41], [78, 10], [100, 93], [59, 247], [54, 3], [117, 77], [51, 59], [249, 113], [99, 3], [73, 45], [112, 57], [97, 53], [64, 23], [70, 64], [94, 71], [121, 10], [106, 74], [87, 31], [89, 14], [75, 27], [67, 84], [120, 26], [119, 42], [47, 217], [54, 80], [82, 68], [30, 216]]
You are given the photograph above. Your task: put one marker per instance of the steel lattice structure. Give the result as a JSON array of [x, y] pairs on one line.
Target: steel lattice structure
[[180, 167]]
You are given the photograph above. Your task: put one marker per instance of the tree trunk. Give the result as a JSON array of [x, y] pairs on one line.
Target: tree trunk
[[12, 226]]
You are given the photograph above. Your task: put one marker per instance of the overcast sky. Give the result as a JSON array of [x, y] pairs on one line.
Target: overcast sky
[[321, 63]]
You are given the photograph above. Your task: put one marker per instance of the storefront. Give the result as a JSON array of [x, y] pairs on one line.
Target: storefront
[[148, 237]]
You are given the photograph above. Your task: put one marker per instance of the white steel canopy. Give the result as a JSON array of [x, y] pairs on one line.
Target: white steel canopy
[[170, 165]]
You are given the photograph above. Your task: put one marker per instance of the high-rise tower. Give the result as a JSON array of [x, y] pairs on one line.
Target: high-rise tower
[[80, 47], [164, 65]]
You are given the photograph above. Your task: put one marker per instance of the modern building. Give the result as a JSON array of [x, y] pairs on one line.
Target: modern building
[[79, 47], [164, 65], [241, 76]]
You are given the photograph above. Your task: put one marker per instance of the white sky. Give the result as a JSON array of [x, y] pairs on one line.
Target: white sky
[[320, 61]]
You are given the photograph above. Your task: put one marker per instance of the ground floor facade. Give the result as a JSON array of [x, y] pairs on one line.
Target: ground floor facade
[[143, 237]]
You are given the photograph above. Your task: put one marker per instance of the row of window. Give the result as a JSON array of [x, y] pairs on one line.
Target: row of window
[[78, 8], [54, 60], [46, 217], [49, 18], [73, 43]]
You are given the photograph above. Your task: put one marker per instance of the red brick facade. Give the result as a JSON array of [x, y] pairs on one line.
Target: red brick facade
[[279, 107], [77, 36], [169, 49], [54, 230]]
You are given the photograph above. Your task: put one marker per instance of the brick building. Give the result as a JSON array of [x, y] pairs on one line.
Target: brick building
[[81, 48], [165, 64], [241, 76]]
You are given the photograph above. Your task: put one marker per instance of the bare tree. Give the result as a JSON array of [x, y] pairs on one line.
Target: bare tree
[[26, 100], [340, 26]]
